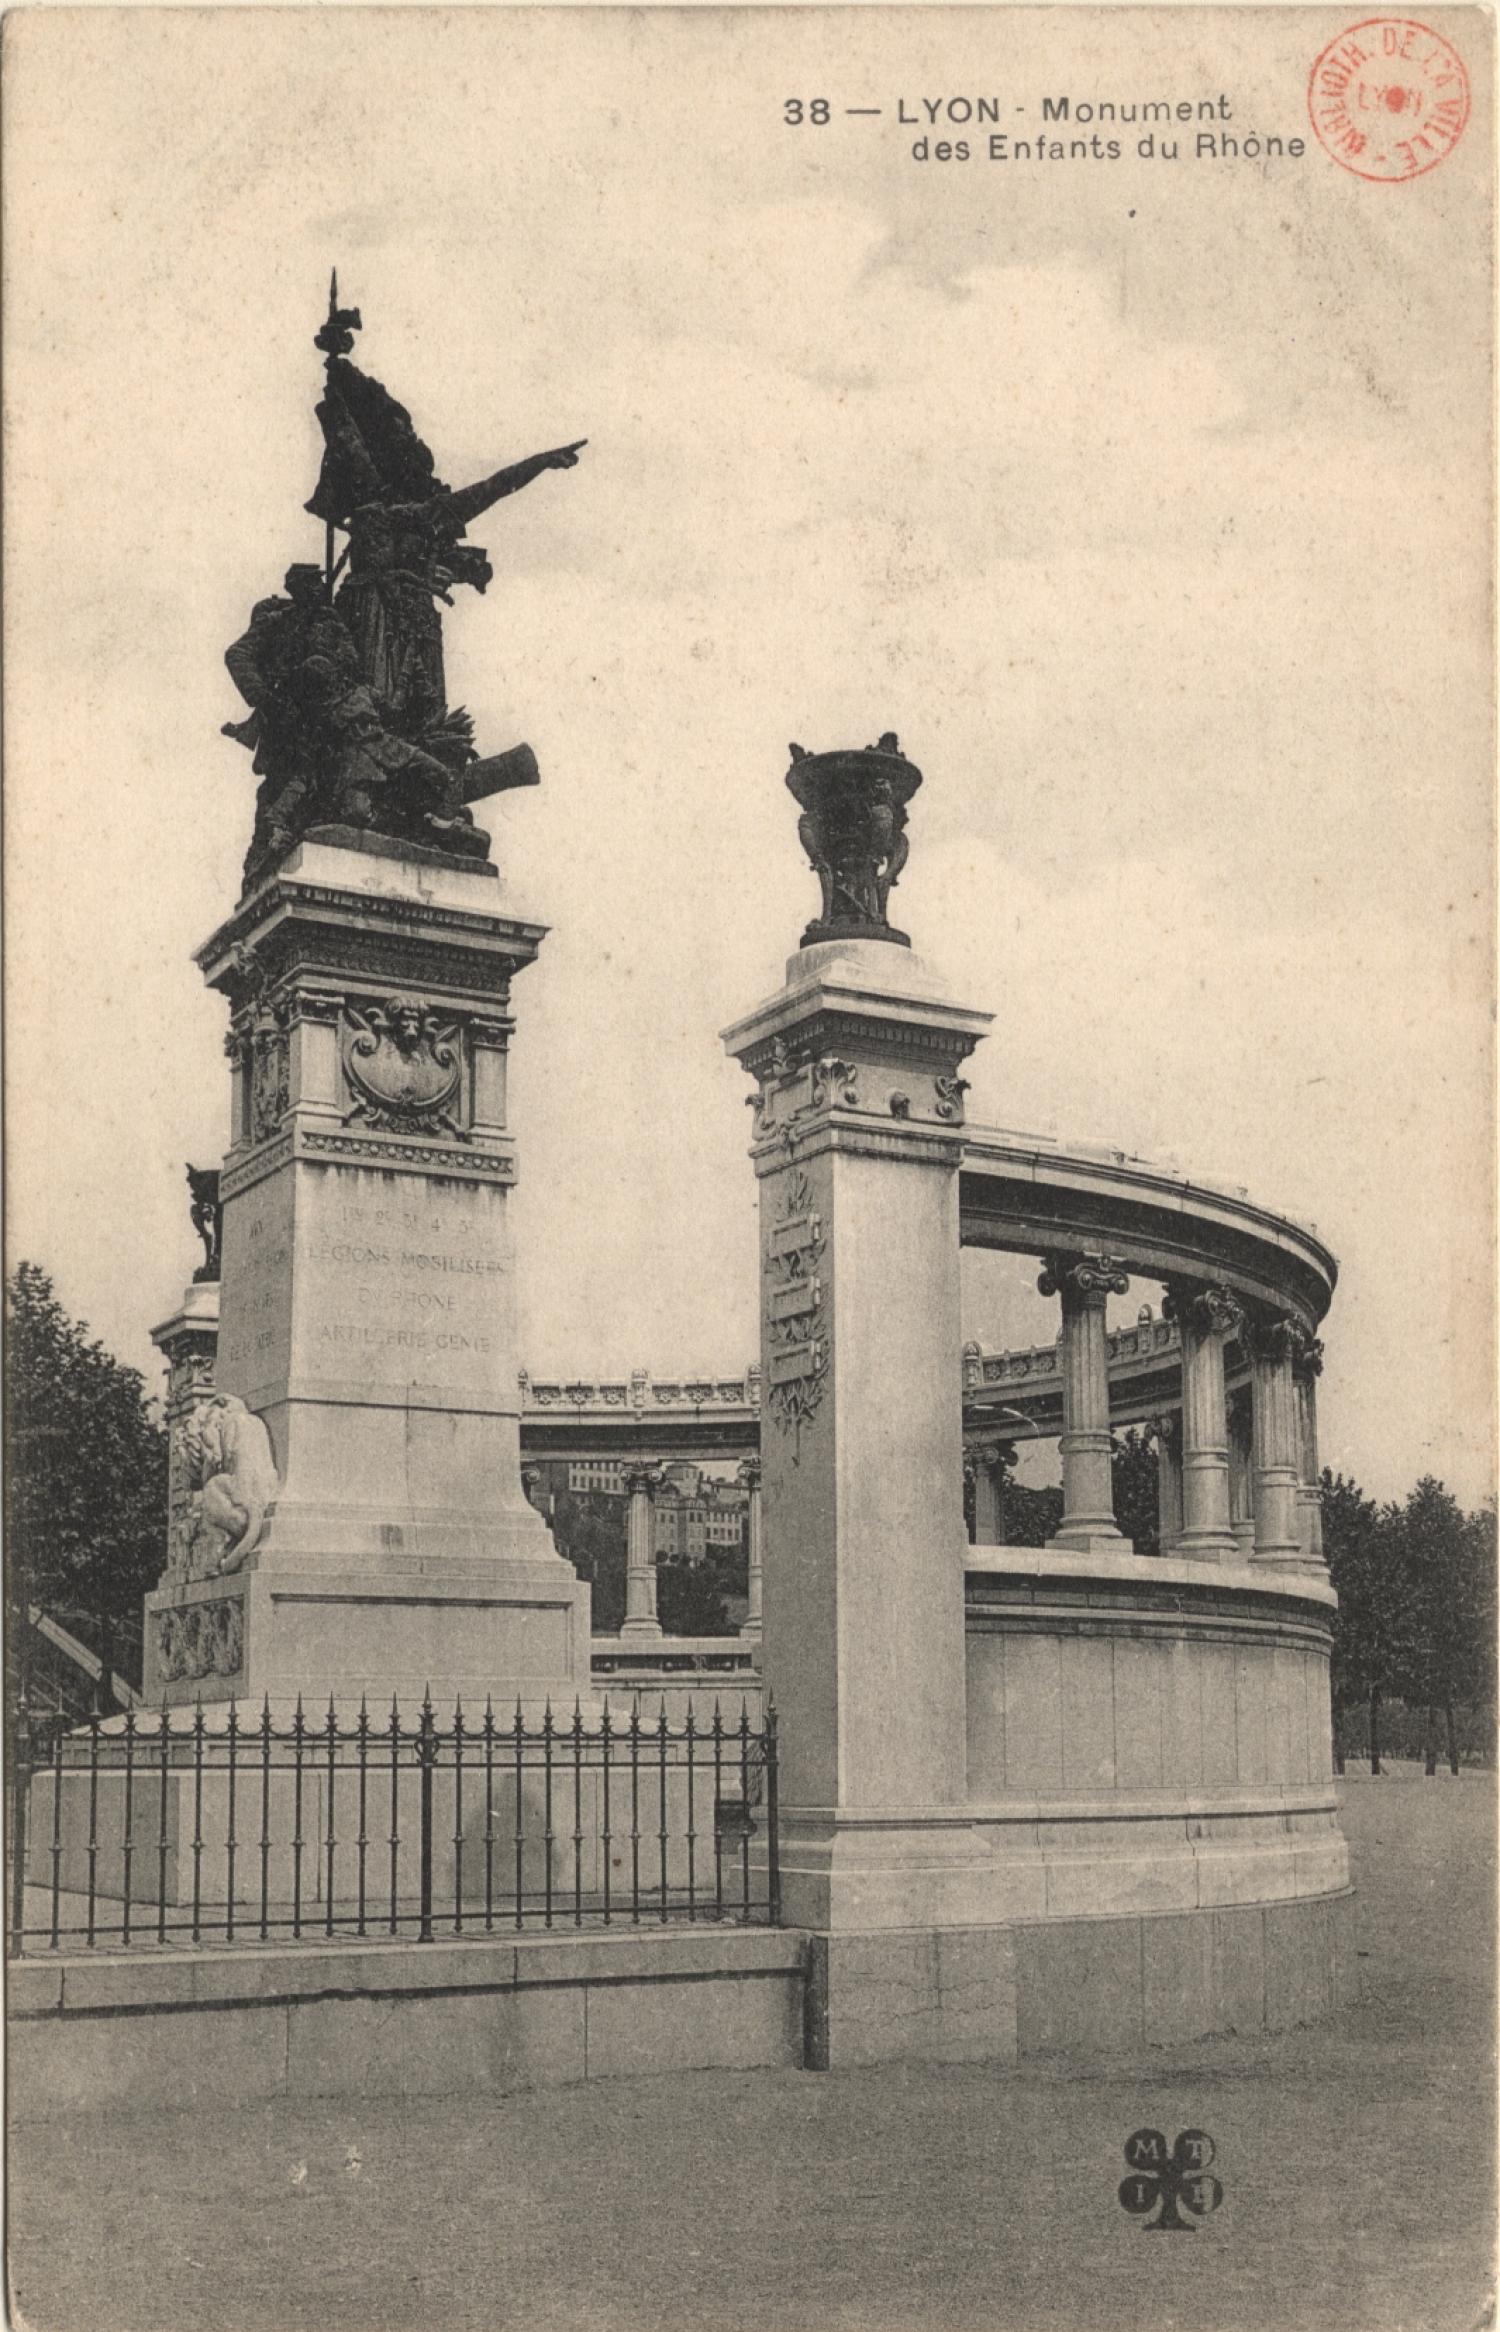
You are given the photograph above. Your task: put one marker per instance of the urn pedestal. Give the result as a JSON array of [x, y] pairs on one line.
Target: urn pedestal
[[858, 1140], [366, 1311]]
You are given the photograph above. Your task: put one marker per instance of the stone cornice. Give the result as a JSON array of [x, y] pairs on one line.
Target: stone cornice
[[1022, 1196], [859, 1134]]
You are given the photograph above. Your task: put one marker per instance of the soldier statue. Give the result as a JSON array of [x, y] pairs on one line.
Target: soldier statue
[[350, 724]]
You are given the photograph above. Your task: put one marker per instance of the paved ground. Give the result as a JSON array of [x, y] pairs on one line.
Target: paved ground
[[1356, 2160]]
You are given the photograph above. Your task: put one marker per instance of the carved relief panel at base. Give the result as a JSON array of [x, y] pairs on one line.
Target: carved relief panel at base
[[200, 1640]]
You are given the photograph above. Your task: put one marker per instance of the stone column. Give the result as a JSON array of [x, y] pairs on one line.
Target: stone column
[[857, 1145], [640, 1555], [1273, 1343], [1208, 1317], [1307, 1367], [752, 1625], [1084, 1282], [1166, 1432], [989, 1515], [1241, 1471]]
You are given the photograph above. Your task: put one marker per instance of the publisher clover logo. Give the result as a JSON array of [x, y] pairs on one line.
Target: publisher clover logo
[[1179, 2181]]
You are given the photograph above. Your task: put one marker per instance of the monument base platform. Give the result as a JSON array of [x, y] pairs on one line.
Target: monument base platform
[[457, 1629], [1077, 1987]]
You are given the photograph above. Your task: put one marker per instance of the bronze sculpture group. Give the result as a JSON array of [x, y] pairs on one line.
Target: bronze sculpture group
[[350, 724]]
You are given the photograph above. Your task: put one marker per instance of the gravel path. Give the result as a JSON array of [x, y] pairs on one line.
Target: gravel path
[[1356, 2158]]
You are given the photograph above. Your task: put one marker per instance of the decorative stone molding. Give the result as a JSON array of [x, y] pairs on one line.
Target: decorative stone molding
[[270, 1074], [410, 1153], [831, 1077], [249, 1170], [320, 1007], [796, 1311], [950, 1093]]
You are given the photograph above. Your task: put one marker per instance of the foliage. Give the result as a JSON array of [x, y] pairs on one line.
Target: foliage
[[688, 1600], [1444, 1560], [86, 1468], [1030, 1516], [1417, 1606], [1133, 1469], [1371, 1622], [589, 1528]]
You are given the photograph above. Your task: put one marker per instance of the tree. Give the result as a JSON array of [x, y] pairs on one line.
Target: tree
[[589, 1529], [1372, 1624], [86, 1471], [688, 1601], [1133, 1469], [1447, 1566]]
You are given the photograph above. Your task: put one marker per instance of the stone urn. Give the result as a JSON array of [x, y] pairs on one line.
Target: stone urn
[[853, 828]]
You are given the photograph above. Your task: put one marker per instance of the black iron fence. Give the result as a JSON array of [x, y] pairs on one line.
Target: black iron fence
[[207, 1826]]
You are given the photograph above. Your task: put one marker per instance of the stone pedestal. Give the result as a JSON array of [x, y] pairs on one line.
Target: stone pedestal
[[366, 1310], [858, 1137]]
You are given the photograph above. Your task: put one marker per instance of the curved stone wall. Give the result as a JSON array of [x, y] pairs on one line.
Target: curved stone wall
[[1150, 1763]]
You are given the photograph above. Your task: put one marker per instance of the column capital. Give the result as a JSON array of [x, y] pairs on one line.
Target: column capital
[[1209, 1309], [1165, 1429], [642, 1478], [748, 1473], [1082, 1275], [1272, 1336], [1307, 1355]]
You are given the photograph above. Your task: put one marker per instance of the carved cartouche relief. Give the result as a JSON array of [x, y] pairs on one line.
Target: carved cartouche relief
[[404, 1064]]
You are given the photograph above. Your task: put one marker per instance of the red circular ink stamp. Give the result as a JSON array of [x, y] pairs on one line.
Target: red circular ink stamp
[[1389, 98]]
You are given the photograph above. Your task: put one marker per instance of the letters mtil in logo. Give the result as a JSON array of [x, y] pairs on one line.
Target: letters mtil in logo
[[1178, 2180]]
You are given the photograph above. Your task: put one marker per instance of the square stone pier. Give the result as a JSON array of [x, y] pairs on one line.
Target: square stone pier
[[858, 1142], [383, 1542]]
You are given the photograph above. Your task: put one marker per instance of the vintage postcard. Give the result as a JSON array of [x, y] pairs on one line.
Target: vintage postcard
[[749, 1402]]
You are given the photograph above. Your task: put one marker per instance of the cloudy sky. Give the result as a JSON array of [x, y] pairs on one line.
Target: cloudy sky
[[1148, 501]]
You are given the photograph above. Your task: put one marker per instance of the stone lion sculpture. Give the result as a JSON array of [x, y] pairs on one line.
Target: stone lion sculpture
[[237, 1479]]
